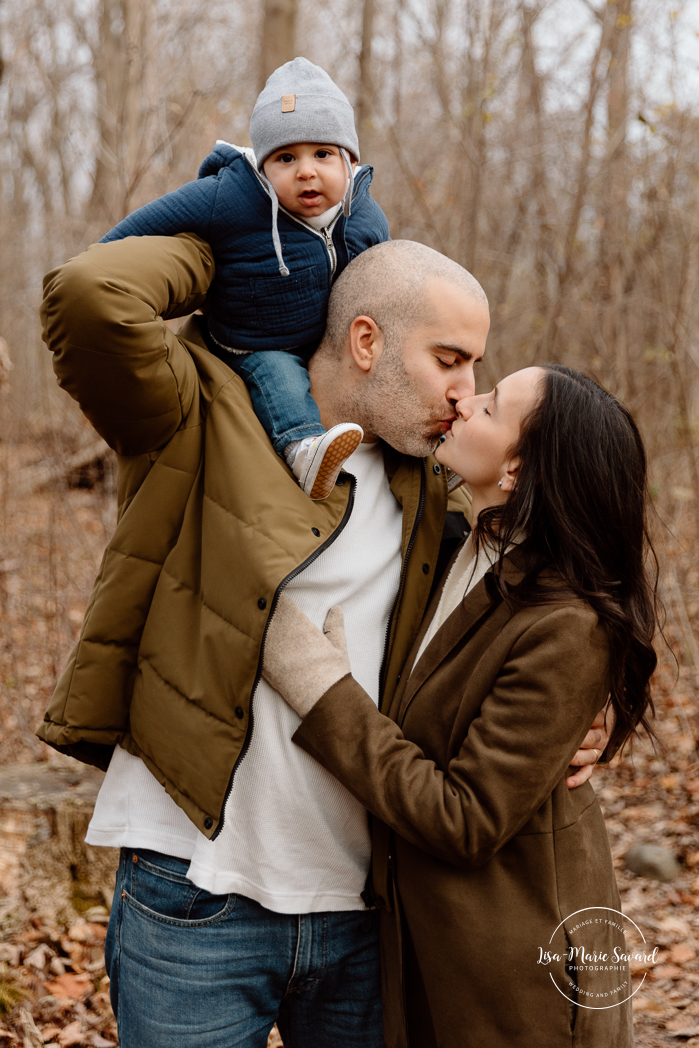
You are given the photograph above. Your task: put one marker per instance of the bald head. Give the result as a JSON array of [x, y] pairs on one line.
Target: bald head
[[405, 328], [391, 284]]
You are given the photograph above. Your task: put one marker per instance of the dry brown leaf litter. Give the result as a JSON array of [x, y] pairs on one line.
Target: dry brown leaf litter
[[52, 980]]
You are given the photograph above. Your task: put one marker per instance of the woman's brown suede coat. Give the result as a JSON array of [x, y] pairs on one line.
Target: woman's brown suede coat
[[480, 849]]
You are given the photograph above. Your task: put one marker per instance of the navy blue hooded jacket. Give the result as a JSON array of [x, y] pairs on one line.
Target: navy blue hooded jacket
[[252, 305]]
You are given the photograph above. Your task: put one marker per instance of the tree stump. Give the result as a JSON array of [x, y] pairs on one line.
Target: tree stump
[[45, 865]]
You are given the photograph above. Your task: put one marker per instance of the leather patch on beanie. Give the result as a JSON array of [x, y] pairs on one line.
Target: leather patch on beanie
[[288, 103]]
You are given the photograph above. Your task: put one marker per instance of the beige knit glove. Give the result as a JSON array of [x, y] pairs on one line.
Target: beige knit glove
[[300, 662]]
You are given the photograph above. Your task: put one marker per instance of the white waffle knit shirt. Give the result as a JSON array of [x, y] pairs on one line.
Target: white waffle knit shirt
[[293, 838]]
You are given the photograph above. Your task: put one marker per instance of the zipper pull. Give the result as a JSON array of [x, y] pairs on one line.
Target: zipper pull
[[331, 249]]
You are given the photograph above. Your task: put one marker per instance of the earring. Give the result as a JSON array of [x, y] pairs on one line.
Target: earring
[[499, 483]]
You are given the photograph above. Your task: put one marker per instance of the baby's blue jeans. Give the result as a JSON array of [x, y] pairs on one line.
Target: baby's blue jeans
[[280, 389], [189, 969]]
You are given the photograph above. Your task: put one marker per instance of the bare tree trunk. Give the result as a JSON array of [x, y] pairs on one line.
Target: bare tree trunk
[[614, 211], [120, 65], [137, 94], [110, 68], [553, 317], [539, 190], [536, 191], [472, 107], [364, 108], [484, 27], [677, 318], [278, 36]]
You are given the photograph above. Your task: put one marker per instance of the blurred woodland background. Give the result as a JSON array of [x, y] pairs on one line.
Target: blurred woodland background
[[550, 146]]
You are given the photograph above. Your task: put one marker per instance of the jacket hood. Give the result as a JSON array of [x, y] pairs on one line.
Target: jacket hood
[[223, 155]]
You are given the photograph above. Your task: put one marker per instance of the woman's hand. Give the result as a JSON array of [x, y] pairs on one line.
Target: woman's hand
[[300, 662], [593, 746]]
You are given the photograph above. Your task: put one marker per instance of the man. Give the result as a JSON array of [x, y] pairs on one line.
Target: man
[[240, 897]]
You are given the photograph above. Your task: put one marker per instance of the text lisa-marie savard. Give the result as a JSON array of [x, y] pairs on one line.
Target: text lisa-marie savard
[[594, 957]]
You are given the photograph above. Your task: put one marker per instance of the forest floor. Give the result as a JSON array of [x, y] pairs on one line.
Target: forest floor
[[53, 986]]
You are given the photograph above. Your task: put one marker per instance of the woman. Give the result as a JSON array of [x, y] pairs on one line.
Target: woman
[[480, 850]]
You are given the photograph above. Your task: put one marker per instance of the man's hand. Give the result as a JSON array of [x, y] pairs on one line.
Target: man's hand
[[592, 748]]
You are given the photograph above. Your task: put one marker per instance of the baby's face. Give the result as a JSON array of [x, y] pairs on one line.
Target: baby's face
[[308, 178]]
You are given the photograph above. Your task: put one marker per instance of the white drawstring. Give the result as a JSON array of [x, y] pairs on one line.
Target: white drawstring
[[275, 231], [347, 199]]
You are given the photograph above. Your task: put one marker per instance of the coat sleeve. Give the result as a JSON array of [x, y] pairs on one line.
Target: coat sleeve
[[103, 318], [186, 210], [516, 750]]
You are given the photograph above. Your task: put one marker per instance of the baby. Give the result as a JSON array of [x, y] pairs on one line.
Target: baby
[[283, 220]]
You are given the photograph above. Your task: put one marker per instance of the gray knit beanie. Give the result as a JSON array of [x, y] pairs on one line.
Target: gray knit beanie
[[301, 103]]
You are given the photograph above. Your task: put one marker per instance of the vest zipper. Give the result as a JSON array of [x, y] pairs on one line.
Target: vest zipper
[[301, 567], [326, 231], [326, 235], [404, 570]]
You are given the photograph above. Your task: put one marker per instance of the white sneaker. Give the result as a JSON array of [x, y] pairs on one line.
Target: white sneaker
[[319, 459]]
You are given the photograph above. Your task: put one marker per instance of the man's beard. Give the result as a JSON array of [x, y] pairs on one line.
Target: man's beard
[[389, 406]]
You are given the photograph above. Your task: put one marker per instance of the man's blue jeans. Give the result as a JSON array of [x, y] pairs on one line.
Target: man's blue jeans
[[189, 969]]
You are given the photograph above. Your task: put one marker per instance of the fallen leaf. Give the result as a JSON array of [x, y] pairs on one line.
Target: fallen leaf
[[32, 1037], [682, 953], [94, 966], [674, 924], [640, 811], [680, 1023], [38, 957], [86, 932], [72, 1034], [69, 986], [10, 952], [666, 971]]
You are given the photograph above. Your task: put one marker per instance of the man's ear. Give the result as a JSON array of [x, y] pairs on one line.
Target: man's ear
[[509, 476], [365, 343]]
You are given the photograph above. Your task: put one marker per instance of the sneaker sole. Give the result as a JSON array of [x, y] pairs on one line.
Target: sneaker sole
[[339, 450]]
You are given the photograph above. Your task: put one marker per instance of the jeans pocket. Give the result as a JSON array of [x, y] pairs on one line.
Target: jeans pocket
[[158, 887]]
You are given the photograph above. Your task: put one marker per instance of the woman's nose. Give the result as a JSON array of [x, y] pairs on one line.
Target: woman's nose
[[464, 407]]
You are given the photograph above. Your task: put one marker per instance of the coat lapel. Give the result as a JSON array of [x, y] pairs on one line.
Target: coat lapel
[[461, 621]]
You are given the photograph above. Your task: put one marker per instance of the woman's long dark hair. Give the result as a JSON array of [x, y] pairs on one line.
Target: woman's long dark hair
[[580, 501]]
